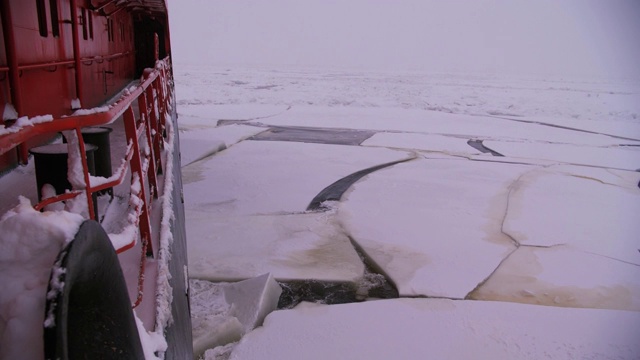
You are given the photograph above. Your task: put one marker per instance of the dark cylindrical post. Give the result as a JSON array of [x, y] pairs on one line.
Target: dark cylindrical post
[[51, 167], [99, 136]]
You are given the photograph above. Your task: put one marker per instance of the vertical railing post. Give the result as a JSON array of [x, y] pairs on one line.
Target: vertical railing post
[[151, 172], [153, 119], [131, 131], [85, 170], [162, 85]]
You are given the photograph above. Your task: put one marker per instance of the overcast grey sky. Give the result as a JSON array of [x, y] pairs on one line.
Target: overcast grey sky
[[559, 37]]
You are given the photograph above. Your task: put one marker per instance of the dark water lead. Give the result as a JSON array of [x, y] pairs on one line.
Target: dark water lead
[[315, 135], [335, 191], [478, 145], [371, 286]]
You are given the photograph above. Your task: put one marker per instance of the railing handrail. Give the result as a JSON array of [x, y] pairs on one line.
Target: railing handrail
[[12, 140], [45, 64]]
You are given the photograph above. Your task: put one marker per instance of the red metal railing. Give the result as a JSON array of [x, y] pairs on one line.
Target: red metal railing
[[71, 62], [144, 129]]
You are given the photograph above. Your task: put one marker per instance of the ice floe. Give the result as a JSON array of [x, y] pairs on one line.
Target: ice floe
[[433, 226], [442, 329], [291, 247], [624, 158]]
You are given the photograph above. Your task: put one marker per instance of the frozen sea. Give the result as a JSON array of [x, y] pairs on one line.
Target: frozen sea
[[501, 211]]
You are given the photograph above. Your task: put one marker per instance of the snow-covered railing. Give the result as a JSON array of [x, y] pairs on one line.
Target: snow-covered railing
[[144, 130]]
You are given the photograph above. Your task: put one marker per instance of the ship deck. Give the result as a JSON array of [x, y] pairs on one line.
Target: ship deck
[[112, 212]]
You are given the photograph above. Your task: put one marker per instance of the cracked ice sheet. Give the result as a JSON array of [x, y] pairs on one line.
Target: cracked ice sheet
[[442, 329], [563, 276], [424, 121], [291, 247], [200, 142], [438, 143], [433, 226], [626, 129], [266, 177], [613, 157], [211, 113], [589, 209]]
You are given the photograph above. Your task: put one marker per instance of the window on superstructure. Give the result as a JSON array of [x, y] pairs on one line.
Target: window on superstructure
[[42, 18], [110, 29], [90, 24], [122, 31], [55, 25], [83, 22]]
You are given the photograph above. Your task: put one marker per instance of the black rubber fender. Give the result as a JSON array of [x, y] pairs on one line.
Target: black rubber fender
[[92, 314]]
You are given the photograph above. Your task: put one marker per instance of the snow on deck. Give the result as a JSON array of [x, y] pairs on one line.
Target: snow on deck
[[533, 248]]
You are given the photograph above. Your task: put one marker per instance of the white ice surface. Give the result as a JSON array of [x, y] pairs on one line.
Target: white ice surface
[[564, 276], [442, 329], [426, 142], [625, 158], [435, 122], [202, 141], [291, 247], [252, 300], [407, 108], [626, 128], [265, 177], [609, 103], [209, 113], [593, 210], [274, 182], [435, 229]]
